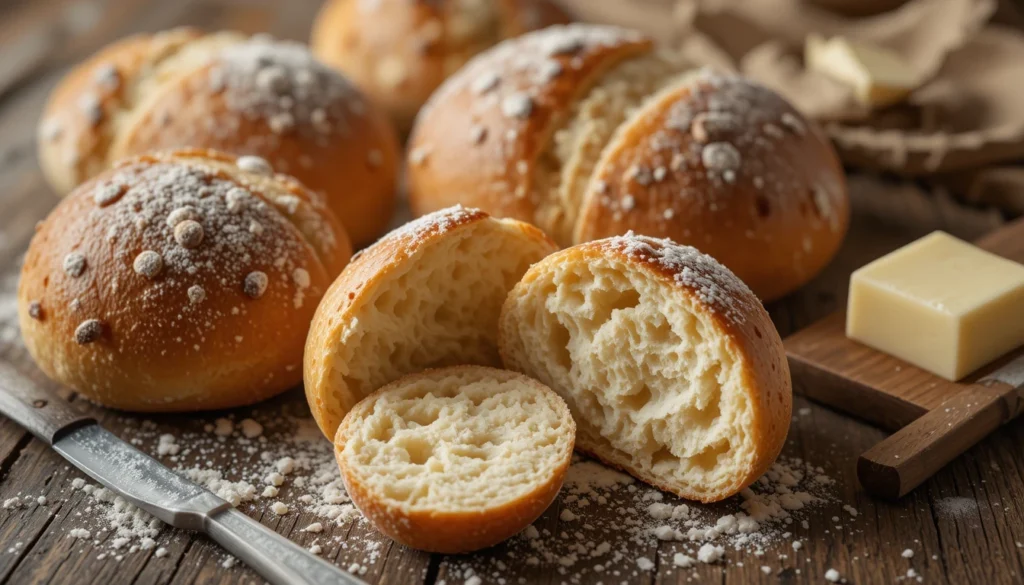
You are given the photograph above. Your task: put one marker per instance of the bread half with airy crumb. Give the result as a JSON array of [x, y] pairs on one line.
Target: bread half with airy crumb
[[426, 295], [669, 363], [456, 459]]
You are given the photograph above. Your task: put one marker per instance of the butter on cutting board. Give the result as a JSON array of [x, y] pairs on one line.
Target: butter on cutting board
[[879, 76], [939, 303]]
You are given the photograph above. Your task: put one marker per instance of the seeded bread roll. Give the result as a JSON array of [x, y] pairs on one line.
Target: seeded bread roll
[[256, 96], [457, 459], [426, 295], [179, 281], [399, 51], [671, 367], [591, 132]]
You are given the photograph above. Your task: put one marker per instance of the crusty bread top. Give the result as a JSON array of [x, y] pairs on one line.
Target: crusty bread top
[[176, 264], [736, 159], [400, 51], [89, 108], [374, 284], [459, 440], [509, 101]]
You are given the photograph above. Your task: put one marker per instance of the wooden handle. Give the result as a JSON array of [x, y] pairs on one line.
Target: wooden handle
[[40, 410], [902, 462]]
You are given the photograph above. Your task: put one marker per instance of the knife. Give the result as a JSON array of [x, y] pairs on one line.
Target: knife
[[145, 482]]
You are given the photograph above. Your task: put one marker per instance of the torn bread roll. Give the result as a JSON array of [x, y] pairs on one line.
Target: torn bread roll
[[670, 365], [400, 51], [426, 295], [591, 132], [225, 91], [179, 281], [457, 459]]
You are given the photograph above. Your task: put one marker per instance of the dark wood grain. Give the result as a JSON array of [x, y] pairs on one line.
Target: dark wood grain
[[964, 524]]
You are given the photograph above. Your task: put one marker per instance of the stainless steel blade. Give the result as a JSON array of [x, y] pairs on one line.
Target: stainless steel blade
[[139, 478], [145, 482]]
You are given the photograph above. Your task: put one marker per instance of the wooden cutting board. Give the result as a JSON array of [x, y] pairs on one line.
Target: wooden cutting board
[[935, 419]]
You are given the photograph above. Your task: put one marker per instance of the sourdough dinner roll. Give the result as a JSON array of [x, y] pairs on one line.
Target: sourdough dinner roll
[[671, 367], [256, 96], [399, 51], [591, 132], [179, 281], [456, 459], [426, 295]]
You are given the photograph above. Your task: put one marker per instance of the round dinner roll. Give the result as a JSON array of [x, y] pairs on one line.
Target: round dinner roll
[[592, 131], [670, 365], [399, 51], [457, 459], [426, 295], [179, 281], [225, 91]]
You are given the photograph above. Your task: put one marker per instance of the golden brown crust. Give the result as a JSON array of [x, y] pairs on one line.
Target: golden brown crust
[[445, 531], [736, 313], [175, 282], [774, 184], [400, 51], [369, 268], [221, 91], [478, 139], [78, 123]]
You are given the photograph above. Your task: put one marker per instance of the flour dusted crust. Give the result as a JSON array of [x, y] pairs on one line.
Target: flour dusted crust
[[456, 459], [399, 51], [590, 132], [425, 295], [669, 363], [224, 91], [179, 281]]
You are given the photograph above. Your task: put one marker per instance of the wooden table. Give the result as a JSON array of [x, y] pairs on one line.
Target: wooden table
[[980, 543]]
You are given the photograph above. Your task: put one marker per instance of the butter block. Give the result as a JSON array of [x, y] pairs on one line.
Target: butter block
[[879, 76], [939, 303]]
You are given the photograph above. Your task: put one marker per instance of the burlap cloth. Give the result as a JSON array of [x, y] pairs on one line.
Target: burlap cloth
[[963, 127]]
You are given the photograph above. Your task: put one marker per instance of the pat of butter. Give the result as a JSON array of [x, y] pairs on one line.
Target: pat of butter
[[879, 76], [939, 303]]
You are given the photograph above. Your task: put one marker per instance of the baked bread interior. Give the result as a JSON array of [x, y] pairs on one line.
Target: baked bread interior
[[456, 459], [670, 365], [426, 295]]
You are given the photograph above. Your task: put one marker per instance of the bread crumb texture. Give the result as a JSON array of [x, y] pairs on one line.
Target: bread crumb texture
[[639, 336], [427, 295], [462, 446]]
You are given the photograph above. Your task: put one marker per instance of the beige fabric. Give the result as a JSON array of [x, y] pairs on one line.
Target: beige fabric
[[961, 117]]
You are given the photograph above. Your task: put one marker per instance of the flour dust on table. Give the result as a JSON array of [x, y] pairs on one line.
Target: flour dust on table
[[603, 524]]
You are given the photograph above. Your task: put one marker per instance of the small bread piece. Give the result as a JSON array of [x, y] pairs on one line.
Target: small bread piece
[[593, 131], [400, 51], [670, 365], [456, 459], [179, 281], [426, 295], [224, 91]]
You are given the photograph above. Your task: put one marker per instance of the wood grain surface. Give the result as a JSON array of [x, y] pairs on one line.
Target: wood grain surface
[[965, 525]]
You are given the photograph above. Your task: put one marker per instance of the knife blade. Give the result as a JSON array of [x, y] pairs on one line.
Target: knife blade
[[148, 484]]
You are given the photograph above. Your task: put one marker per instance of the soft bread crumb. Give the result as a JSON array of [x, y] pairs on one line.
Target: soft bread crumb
[[469, 441], [637, 335], [427, 295]]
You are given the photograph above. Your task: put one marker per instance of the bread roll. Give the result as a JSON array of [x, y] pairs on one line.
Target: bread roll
[[257, 96], [456, 459], [426, 295], [399, 51], [591, 132], [179, 281], [671, 367]]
